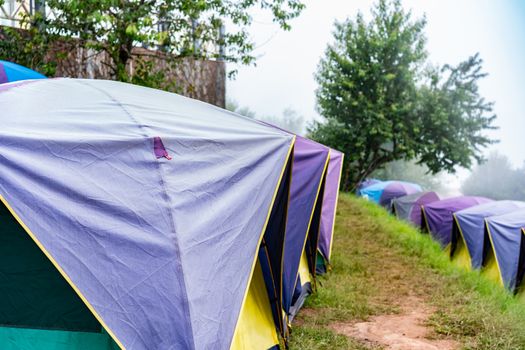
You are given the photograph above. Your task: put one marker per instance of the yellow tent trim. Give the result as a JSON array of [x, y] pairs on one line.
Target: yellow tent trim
[[304, 271], [462, 254], [491, 269], [292, 143], [62, 272], [256, 329], [335, 207], [425, 218]]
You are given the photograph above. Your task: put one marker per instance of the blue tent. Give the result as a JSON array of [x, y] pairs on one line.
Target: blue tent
[[10, 71], [366, 183], [468, 233], [506, 234], [384, 192]]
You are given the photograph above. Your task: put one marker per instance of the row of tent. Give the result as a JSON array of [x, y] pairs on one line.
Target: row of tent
[[478, 233], [139, 219]]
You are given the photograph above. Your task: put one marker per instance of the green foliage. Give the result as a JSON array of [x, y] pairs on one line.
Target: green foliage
[[380, 104], [452, 117], [497, 179], [146, 74], [27, 47], [177, 28]]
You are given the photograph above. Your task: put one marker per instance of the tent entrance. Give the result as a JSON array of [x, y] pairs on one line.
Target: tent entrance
[[458, 249], [520, 287], [312, 241], [490, 264], [38, 308], [256, 323], [305, 282], [261, 320]]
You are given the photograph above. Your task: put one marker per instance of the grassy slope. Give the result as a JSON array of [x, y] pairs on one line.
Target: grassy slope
[[379, 260]]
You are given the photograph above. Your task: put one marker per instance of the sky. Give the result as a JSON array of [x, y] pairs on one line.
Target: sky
[[286, 61]]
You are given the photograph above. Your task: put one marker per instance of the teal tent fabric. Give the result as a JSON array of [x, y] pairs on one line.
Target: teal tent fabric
[[33, 293], [41, 339]]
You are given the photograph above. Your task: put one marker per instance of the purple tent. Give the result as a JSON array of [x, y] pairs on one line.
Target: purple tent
[[438, 216], [409, 207], [331, 193], [302, 228], [152, 212], [319, 236]]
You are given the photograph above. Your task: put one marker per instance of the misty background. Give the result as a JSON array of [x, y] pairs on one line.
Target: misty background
[[281, 89]]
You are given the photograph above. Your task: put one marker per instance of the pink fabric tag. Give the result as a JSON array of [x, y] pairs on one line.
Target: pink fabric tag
[[160, 150]]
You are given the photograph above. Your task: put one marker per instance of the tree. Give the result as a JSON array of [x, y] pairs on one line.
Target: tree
[[497, 179], [381, 103], [174, 27]]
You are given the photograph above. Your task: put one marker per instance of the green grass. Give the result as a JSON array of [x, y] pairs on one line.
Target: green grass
[[377, 261]]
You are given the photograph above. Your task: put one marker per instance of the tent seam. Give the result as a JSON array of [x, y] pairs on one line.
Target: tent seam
[[167, 199]]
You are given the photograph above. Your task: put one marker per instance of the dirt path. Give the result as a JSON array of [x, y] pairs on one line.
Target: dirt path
[[391, 288], [403, 331]]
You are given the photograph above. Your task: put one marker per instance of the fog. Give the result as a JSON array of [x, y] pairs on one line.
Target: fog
[[283, 77]]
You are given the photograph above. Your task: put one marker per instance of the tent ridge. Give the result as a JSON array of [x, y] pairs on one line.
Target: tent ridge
[[9, 86], [169, 204]]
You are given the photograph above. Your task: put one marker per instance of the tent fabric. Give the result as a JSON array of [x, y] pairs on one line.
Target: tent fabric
[[384, 192], [303, 287], [271, 252], [16, 338], [10, 72], [308, 264], [329, 209], [256, 322], [312, 241], [161, 251], [366, 183], [469, 228], [409, 207], [309, 165], [506, 237], [437, 216], [33, 294]]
